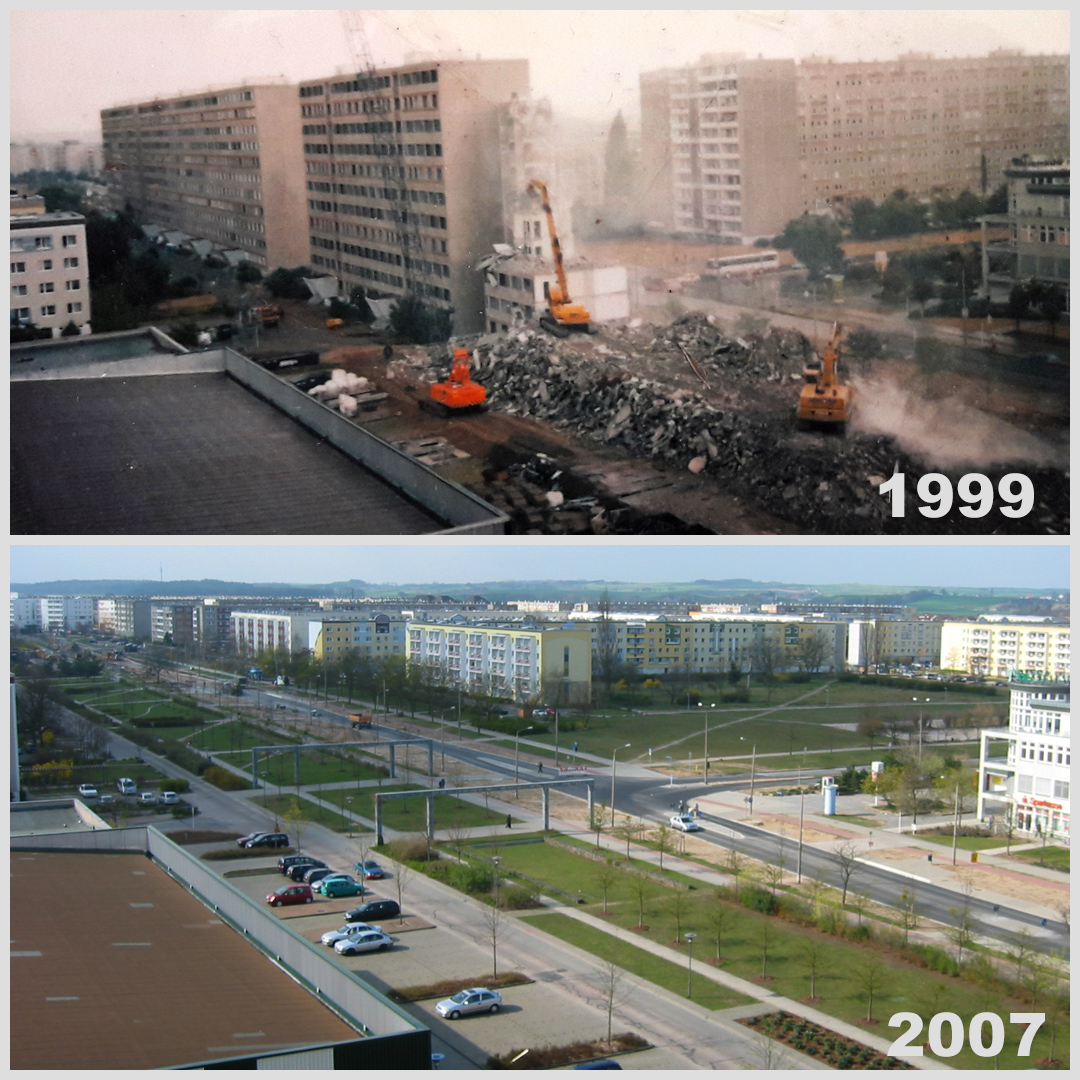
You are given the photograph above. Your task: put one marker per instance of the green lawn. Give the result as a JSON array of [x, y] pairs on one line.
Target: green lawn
[[408, 815], [965, 843], [313, 812], [903, 987], [104, 777], [654, 969], [1055, 858], [319, 766], [239, 735]]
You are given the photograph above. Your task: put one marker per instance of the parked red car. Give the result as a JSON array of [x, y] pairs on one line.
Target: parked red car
[[291, 894]]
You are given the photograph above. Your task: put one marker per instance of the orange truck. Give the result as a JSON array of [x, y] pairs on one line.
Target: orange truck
[[269, 314], [360, 720]]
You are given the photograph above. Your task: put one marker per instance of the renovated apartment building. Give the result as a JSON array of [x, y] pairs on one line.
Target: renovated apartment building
[[1038, 224], [925, 124], [52, 612], [50, 282], [1029, 786], [1001, 647], [225, 166], [402, 173], [356, 633], [893, 641], [720, 148], [125, 618], [550, 665]]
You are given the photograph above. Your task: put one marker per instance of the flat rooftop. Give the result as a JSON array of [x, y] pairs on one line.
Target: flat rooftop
[[184, 453], [150, 979]]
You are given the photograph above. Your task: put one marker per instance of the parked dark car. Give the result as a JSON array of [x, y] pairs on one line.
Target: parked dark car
[[243, 841], [270, 839], [316, 873], [298, 871], [373, 909], [287, 861]]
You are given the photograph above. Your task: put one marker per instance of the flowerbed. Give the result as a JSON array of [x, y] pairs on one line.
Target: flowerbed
[[818, 1042]]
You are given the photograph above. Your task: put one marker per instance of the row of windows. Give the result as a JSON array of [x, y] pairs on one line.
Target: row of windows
[[23, 314], [376, 149], [41, 243], [46, 287], [46, 264]]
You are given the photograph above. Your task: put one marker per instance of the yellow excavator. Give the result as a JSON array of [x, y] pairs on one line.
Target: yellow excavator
[[824, 400], [563, 316]]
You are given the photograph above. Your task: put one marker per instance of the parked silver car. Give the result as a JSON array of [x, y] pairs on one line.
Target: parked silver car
[[476, 1000], [332, 937], [369, 941]]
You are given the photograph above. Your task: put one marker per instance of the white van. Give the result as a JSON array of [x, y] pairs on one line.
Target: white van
[[126, 786]]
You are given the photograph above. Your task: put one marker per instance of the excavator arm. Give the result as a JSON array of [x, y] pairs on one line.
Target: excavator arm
[[563, 316], [556, 248]]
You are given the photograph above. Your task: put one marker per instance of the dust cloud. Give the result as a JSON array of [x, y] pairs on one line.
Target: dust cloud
[[947, 433]]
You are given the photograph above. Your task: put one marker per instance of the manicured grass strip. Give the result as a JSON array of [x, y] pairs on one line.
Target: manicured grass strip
[[320, 767], [448, 987], [1055, 858], [239, 735], [965, 843], [313, 812], [637, 961], [408, 815]]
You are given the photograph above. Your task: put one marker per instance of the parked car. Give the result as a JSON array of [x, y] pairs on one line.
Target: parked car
[[243, 841], [105, 800], [334, 875], [368, 941], [373, 909], [370, 870], [348, 930], [335, 887], [315, 874], [270, 839], [600, 1063], [298, 870], [88, 791], [287, 861], [147, 798], [476, 1000], [126, 786], [290, 894], [170, 798], [684, 822]]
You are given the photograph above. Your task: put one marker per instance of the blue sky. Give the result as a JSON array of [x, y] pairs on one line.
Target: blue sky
[[957, 565]]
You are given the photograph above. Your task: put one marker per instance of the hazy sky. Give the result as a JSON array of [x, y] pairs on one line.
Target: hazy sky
[[1042, 566], [66, 65]]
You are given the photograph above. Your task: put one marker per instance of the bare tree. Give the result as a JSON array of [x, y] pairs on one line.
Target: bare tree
[[597, 817], [847, 862], [615, 990], [773, 872], [909, 917], [721, 918], [628, 829], [860, 904], [664, 839], [735, 863], [871, 974], [607, 647], [769, 1054], [812, 955], [457, 833], [642, 889], [607, 875], [962, 931], [764, 937], [677, 905], [812, 651], [492, 919], [401, 878]]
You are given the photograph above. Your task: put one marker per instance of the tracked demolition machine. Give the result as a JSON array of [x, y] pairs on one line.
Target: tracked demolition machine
[[459, 395], [824, 400]]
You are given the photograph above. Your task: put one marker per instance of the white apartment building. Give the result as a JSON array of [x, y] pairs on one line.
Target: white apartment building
[[893, 641], [548, 664], [1029, 786], [52, 612], [256, 631], [50, 283], [1000, 646]]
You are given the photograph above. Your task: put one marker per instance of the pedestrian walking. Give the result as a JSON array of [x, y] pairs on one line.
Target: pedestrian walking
[[540, 766], [509, 821]]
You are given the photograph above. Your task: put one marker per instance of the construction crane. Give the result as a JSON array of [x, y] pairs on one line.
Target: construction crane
[[563, 316], [824, 400]]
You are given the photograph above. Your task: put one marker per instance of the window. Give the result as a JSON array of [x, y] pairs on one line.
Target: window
[[22, 314], [73, 286], [43, 243], [74, 308], [18, 290], [71, 263], [45, 286], [48, 309], [46, 264], [69, 240], [18, 268]]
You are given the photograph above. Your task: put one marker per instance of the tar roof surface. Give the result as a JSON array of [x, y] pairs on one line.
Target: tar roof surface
[[192, 453], [116, 966]]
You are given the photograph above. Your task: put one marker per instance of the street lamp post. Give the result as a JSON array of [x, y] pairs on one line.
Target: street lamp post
[[802, 808], [708, 716], [915, 699], [517, 735], [753, 764], [613, 753], [496, 859], [556, 740], [690, 938], [348, 809]]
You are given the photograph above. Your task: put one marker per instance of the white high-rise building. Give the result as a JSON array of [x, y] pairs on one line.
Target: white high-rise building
[[1030, 784]]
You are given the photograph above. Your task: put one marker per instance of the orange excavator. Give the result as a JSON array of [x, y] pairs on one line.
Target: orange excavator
[[824, 400], [459, 395], [563, 316]]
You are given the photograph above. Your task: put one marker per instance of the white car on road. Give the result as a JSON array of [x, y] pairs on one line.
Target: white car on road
[[684, 823]]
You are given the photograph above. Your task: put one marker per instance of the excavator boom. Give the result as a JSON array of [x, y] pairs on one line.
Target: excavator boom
[[564, 316], [824, 399]]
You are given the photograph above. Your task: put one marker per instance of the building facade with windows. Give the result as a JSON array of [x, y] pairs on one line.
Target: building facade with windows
[[544, 665], [1037, 247], [1000, 647], [50, 283], [927, 124], [1028, 787], [125, 618], [376, 635], [719, 138], [893, 641], [224, 165], [53, 612], [258, 631], [402, 172]]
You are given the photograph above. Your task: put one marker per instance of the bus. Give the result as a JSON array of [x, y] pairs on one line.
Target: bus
[[739, 265]]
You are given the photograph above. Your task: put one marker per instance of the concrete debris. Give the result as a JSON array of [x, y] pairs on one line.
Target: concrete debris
[[742, 430]]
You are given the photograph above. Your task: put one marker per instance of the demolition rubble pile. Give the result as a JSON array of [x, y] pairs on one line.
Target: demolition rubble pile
[[828, 487]]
